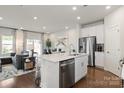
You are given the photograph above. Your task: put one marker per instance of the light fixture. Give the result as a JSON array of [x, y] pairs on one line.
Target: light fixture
[[107, 7], [44, 27], [35, 18], [74, 8], [21, 28], [66, 27], [1, 18], [78, 17]]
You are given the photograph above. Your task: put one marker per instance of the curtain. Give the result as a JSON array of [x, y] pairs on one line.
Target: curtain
[[7, 32]]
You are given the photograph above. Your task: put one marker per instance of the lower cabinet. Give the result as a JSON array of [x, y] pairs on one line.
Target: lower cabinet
[[99, 59], [80, 67]]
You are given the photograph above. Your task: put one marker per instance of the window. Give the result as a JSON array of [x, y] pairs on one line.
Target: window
[[33, 41], [7, 41], [37, 46], [30, 44], [7, 44], [34, 44]]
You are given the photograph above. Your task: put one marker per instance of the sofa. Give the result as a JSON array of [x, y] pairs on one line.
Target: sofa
[[18, 62]]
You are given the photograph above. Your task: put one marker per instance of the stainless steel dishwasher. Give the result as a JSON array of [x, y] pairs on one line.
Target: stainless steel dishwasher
[[67, 73]]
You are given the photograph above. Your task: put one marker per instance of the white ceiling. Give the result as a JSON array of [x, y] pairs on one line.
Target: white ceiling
[[55, 18]]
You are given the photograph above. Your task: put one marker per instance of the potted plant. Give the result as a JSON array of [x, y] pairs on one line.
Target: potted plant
[[48, 45]]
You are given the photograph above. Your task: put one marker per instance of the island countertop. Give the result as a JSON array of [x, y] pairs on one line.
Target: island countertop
[[60, 56], [51, 68]]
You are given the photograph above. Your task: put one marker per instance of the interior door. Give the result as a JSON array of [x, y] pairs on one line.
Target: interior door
[[112, 50]]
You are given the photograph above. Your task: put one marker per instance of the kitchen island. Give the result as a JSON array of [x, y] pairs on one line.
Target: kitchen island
[[62, 70]]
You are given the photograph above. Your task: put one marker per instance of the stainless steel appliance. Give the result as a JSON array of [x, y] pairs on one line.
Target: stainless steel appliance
[[88, 45], [83, 45], [67, 73]]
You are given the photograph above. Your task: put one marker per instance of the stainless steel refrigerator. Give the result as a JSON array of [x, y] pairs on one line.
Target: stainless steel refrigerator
[[88, 45]]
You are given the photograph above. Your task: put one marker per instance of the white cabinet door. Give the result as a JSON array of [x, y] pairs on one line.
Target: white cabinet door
[[48, 68], [97, 30], [84, 32], [92, 31], [99, 59], [100, 33], [112, 49], [80, 67], [84, 65]]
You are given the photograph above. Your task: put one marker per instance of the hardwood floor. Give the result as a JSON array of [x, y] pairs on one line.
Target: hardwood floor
[[96, 78], [99, 78], [23, 81]]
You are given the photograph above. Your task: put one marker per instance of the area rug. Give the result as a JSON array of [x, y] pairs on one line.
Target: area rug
[[9, 71]]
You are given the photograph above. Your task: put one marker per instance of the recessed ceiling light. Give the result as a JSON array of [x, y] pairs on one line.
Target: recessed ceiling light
[[78, 17], [107, 7], [66, 27], [74, 8], [1, 18], [21, 28], [35, 18], [44, 27]]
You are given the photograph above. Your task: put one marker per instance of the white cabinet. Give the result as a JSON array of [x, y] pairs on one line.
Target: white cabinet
[[99, 59], [97, 30], [80, 67], [50, 69], [49, 74], [84, 32], [113, 42], [92, 31], [100, 33]]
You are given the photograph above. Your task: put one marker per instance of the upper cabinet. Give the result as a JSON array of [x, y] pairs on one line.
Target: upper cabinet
[[84, 32], [100, 33], [96, 30], [92, 31]]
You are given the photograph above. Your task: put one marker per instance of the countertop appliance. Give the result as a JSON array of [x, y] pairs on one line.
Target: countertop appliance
[[67, 73], [88, 45]]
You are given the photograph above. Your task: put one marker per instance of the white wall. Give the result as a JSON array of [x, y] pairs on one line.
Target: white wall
[[59, 35], [71, 35], [19, 41], [54, 37]]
